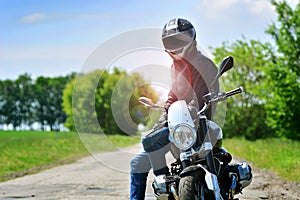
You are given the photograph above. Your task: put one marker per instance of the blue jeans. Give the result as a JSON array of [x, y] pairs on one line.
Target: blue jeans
[[155, 146]]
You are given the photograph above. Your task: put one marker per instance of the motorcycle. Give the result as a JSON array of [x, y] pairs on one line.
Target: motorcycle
[[201, 172]]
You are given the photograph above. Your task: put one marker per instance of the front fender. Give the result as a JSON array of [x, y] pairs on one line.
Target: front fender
[[191, 169]]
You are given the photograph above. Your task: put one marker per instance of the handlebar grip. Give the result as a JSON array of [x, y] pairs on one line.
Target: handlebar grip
[[235, 91]]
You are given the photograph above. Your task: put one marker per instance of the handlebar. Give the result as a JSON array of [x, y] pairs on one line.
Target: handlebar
[[233, 92], [224, 95], [210, 98]]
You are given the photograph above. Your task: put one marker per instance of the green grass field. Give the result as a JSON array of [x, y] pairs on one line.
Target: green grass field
[[279, 155], [25, 152]]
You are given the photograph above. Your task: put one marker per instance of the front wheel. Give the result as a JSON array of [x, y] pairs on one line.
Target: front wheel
[[193, 187]]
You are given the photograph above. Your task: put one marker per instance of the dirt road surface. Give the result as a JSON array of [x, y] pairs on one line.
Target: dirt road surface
[[88, 179]]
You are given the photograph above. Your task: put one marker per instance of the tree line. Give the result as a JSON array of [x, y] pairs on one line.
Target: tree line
[[33, 104], [56, 102]]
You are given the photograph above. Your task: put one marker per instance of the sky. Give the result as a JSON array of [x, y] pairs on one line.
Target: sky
[[54, 38]]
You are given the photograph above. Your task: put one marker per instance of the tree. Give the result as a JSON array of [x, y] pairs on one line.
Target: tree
[[9, 104], [246, 113], [2, 102], [79, 103], [283, 111], [67, 104], [48, 93], [102, 101], [24, 99], [55, 115], [119, 93], [270, 77], [41, 89]]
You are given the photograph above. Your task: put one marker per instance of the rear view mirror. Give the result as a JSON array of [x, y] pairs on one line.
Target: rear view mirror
[[226, 64]]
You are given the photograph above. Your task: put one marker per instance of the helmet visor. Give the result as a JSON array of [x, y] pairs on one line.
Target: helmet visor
[[178, 40]]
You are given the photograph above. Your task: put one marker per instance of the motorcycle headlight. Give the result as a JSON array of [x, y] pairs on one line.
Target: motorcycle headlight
[[184, 136]]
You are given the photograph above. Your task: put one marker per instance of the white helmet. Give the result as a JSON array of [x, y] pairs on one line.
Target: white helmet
[[178, 34]]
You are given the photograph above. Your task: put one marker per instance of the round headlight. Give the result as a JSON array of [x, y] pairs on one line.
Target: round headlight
[[184, 136]]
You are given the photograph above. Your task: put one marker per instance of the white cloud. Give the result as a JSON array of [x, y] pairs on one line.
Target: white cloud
[[259, 7], [39, 17], [13, 52], [41, 60], [33, 18], [293, 3], [217, 5], [229, 20], [228, 9]]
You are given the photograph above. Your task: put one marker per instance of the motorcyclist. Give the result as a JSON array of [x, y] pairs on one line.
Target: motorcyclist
[[192, 74]]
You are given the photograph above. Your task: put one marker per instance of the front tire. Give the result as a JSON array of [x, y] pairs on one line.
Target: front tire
[[193, 187], [187, 186]]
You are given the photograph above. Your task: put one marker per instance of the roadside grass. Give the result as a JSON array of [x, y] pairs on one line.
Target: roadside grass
[[26, 152], [281, 156]]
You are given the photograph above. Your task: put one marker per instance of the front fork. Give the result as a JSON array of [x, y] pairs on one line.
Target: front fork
[[206, 141]]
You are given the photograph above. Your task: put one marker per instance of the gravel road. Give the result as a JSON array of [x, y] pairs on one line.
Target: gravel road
[[105, 176]]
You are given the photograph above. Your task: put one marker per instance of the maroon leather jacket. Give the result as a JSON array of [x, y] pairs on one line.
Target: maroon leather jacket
[[191, 78]]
